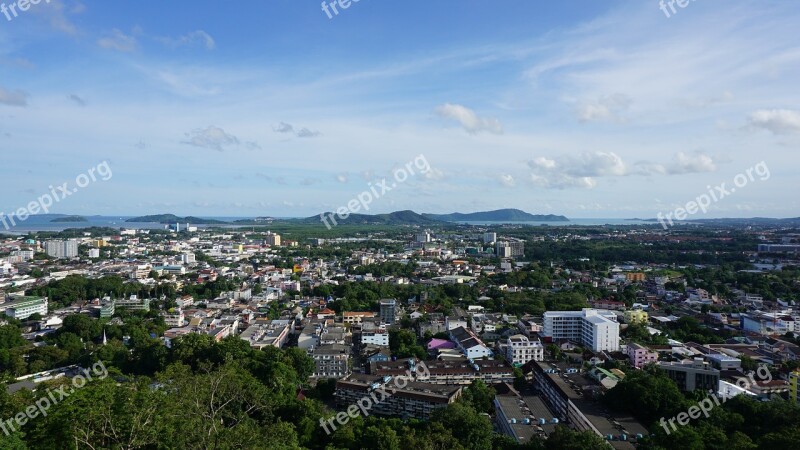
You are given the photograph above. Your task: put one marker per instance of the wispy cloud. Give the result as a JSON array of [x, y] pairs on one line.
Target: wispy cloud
[[194, 37], [118, 41], [77, 99]]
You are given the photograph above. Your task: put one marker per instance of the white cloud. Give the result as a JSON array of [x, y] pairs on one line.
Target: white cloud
[[118, 41], [778, 121], [507, 180], [212, 137], [468, 119]]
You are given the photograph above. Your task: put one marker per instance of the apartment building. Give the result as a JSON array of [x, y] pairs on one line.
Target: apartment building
[[593, 328], [356, 316], [691, 375], [414, 400], [388, 311], [62, 249], [519, 350], [640, 355], [134, 303], [458, 371], [331, 361]]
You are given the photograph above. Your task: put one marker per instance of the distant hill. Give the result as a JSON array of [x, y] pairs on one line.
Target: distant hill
[[69, 219], [171, 218], [396, 218], [500, 215]]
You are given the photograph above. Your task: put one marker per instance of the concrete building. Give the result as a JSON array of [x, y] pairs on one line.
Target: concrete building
[[691, 375], [636, 316], [267, 333], [133, 303], [388, 311], [25, 307], [510, 249], [62, 249], [640, 355], [273, 239], [519, 350], [489, 238], [331, 361], [414, 400], [596, 329], [455, 371]]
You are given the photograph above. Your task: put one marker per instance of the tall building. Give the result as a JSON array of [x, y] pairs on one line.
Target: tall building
[[488, 238], [273, 239], [62, 249], [389, 311], [510, 249], [593, 328]]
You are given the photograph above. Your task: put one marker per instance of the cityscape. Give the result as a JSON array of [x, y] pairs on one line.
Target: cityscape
[[271, 225]]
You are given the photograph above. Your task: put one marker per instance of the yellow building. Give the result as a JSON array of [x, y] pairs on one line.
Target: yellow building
[[636, 316], [99, 243], [635, 276], [794, 380]]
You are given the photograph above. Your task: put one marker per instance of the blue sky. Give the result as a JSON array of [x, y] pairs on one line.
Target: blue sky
[[249, 108]]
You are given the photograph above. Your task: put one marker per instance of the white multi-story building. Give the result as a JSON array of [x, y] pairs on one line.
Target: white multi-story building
[[62, 249], [377, 337], [25, 307], [520, 350], [488, 238], [594, 328]]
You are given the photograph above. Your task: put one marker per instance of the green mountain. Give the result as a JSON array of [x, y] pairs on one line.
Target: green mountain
[[500, 215], [171, 218], [396, 218]]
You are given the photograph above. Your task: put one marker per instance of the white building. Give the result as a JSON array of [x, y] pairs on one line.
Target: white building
[[25, 307], [62, 249], [377, 337], [469, 344], [488, 238], [520, 350], [594, 328]]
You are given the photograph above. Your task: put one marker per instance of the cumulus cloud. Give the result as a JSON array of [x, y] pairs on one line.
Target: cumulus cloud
[[13, 98], [607, 108], [581, 171], [212, 137], [197, 36], [118, 41], [468, 119], [778, 121]]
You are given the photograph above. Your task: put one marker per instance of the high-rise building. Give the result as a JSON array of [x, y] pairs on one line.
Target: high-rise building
[[510, 249], [488, 238], [62, 249], [273, 239], [388, 311]]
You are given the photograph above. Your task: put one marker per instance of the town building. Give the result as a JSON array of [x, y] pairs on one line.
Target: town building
[[62, 248], [519, 350], [596, 329], [408, 399], [691, 375]]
